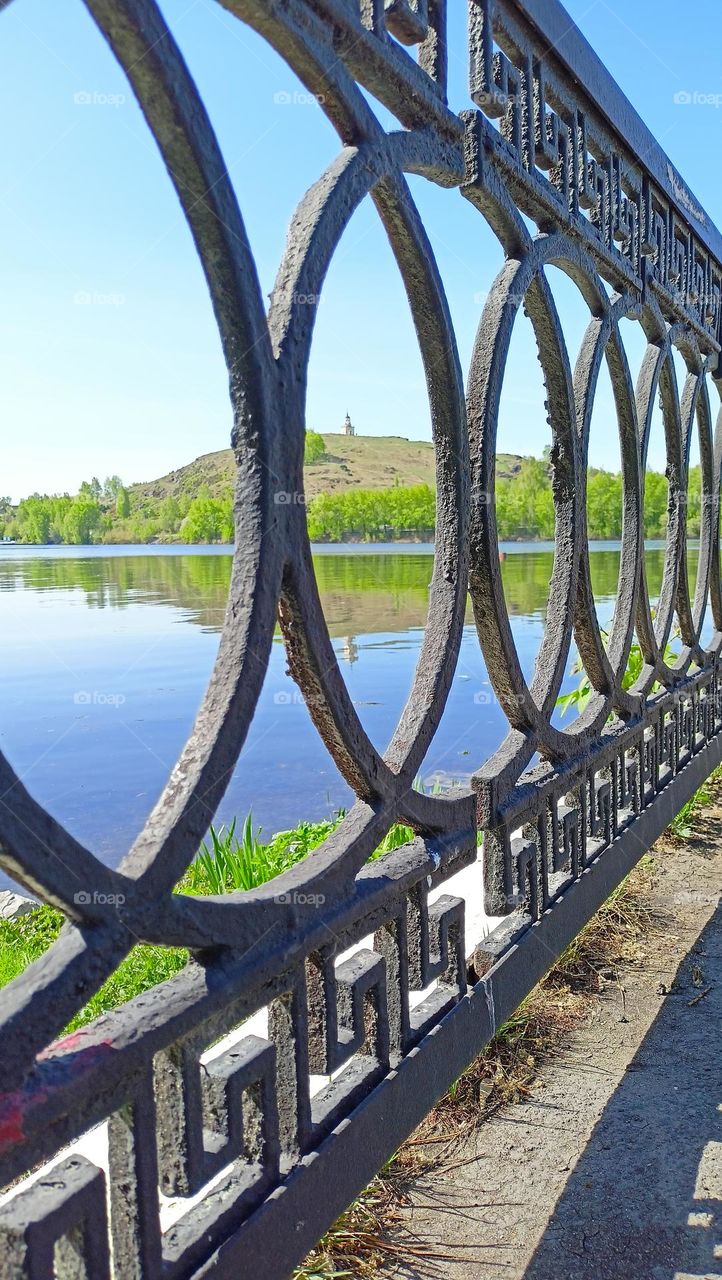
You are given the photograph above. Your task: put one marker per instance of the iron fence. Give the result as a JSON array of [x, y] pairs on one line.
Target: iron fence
[[216, 1154]]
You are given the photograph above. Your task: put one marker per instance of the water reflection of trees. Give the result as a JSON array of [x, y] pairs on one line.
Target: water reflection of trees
[[361, 593], [196, 584]]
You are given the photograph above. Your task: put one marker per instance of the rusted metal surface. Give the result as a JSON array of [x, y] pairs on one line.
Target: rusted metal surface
[[263, 1165]]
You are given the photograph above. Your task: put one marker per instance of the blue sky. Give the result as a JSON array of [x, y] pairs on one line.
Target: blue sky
[[110, 361]]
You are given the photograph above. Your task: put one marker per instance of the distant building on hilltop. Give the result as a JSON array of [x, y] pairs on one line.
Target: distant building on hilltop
[[348, 427]]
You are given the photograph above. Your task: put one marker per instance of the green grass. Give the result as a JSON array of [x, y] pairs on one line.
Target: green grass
[[580, 697], [683, 826], [225, 862], [25, 939]]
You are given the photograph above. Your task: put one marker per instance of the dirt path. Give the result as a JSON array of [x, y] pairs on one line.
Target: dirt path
[[613, 1169]]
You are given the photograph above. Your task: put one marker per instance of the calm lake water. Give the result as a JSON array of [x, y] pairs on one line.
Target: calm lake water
[[107, 651]]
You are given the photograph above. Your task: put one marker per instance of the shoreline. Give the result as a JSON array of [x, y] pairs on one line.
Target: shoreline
[[226, 548]]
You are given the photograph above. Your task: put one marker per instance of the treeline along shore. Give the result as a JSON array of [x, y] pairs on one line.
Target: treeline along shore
[[523, 503]]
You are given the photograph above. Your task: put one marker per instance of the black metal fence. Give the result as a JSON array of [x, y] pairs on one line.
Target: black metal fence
[[214, 1154]]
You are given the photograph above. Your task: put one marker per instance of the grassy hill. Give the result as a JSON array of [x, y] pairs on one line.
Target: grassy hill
[[351, 462]]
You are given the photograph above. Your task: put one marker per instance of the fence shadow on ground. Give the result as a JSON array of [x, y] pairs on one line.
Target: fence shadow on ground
[[644, 1201]]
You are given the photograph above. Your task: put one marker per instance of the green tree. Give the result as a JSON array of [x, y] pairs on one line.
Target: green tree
[[694, 501], [208, 520], [80, 520], [112, 486], [122, 503], [314, 448], [91, 489], [604, 504], [170, 514], [34, 517], [372, 514], [656, 494]]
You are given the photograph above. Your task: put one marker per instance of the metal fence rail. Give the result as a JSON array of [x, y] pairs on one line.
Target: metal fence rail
[[260, 1166]]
